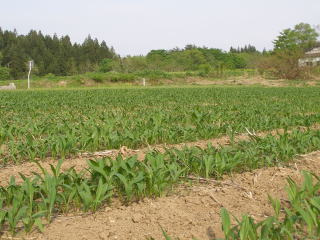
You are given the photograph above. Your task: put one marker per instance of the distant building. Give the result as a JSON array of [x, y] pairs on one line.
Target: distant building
[[311, 58]]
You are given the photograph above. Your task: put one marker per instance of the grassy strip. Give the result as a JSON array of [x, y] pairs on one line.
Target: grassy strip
[[299, 218], [44, 195], [100, 78]]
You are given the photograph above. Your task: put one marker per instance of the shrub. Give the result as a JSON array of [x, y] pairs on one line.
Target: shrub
[[189, 74], [179, 74], [4, 73], [121, 77], [153, 74], [50, 76], [106, 65], [97, 77], [204, 69], [111, 77], [284, 64]]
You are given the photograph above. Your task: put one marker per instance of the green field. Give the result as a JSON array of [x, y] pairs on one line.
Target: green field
[[61, 123], [38, 124]]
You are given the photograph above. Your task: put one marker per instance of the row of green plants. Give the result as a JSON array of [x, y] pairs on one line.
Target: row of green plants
[[298, 218], [61, 123], [42, 196]]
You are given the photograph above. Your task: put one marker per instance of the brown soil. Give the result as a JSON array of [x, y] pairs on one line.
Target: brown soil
[[192, 211], [80, 162], [62, 83], [251, 81]]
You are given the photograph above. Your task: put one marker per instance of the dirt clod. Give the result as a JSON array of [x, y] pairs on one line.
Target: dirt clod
[[137, 217]]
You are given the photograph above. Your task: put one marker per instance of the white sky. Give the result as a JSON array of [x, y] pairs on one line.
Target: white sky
[[137, 26]]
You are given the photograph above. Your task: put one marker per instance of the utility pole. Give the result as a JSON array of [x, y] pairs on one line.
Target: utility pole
[[30, 68]]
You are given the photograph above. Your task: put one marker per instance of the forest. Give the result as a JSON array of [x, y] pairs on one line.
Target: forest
[[50, 54], [59, 56]]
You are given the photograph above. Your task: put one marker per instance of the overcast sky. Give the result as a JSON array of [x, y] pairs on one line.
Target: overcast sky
[[137, 26]]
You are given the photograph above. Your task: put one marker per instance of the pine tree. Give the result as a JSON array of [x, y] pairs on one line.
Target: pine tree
[[51, 54]]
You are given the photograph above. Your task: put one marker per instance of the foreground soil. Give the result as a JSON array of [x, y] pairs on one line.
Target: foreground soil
[[191, 211]]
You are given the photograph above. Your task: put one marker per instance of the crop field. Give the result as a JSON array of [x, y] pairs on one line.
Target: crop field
[[59, 125], [39, 124]]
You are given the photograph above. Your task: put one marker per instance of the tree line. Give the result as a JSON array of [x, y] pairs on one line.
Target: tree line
[[51, 54], [59, 56], [190, 58], [281, 62]]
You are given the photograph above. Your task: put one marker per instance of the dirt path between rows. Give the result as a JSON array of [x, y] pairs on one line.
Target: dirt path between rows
[[191, 211], [80, 162]]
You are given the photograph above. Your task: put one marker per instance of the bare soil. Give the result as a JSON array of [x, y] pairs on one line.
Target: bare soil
[[252, 81], [191, 211]]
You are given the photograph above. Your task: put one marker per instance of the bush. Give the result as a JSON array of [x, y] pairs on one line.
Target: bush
[[4, 73], [316, 71], [179, 74], [204, 69], [50, 76], [153, 74], [106, 65], [189, 74], [97, 77], [111, 77], [284, 64], [121, 77]]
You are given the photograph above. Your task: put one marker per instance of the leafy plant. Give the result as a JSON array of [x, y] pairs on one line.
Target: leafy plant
[[71, 121]]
